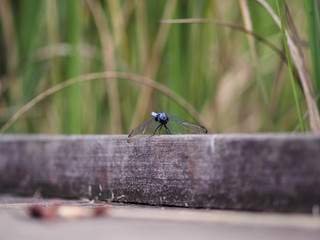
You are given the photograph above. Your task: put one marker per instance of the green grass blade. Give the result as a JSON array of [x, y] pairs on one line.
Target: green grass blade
[[75, 93], [293, 82], [312, 14]]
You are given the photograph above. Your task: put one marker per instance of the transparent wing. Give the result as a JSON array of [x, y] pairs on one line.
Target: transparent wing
[[146, 128], [175, 125], [179, 126]]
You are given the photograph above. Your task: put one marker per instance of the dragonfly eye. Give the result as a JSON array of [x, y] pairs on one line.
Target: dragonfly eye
[[163, 118]]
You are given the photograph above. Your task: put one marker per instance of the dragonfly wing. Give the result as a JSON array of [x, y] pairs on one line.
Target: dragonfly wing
[[146, 128], [179, 126]]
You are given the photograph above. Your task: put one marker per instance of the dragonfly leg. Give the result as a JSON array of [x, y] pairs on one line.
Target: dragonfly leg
[[167, 129], [156, 130], [160, 128]]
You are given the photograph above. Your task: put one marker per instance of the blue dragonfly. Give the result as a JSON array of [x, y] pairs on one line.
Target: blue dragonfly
[[164, 123]]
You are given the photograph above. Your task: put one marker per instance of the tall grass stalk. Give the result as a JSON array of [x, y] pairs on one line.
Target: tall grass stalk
[[108, 53], [151, 67], [312, 15], [293, 82], [74, 97]]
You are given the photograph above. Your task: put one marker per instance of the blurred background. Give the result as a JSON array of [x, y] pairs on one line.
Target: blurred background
[[236, 82]]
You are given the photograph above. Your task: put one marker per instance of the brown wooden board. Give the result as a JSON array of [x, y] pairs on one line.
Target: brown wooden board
[[266, 172]]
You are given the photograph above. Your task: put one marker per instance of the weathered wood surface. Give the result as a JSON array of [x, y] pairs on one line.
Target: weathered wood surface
[[254, 172]]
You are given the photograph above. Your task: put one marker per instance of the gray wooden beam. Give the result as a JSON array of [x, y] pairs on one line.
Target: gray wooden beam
[[266, 172]]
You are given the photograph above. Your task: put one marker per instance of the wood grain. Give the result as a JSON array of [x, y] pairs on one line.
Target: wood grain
[[253, 172]]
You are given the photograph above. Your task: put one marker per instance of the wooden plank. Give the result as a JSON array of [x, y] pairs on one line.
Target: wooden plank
[[255, 172]]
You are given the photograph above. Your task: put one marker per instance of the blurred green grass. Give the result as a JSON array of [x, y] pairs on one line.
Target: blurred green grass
[[43, 43]]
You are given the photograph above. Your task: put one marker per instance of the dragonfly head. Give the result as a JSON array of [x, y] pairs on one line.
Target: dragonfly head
[[162, 118]]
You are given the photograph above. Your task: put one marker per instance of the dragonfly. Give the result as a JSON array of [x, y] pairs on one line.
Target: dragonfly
[[164, 123]]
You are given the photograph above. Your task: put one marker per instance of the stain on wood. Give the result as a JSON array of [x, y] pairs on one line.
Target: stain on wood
[[265, 172]]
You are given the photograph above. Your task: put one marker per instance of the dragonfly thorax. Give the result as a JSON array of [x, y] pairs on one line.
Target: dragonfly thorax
[[162, 118]]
